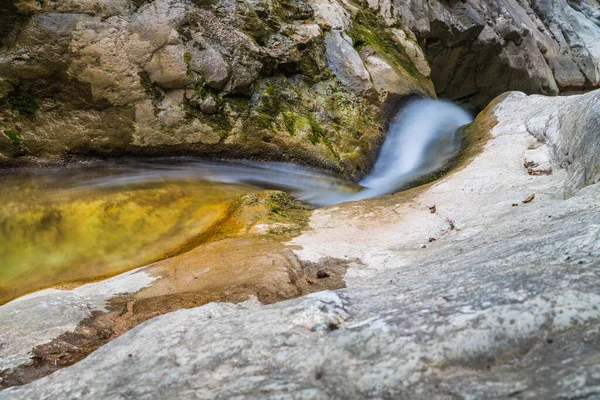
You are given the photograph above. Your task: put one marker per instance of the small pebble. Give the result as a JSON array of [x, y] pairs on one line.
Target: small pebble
[[322, 274]]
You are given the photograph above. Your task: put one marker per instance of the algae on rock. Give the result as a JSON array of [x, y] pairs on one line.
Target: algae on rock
[[211, 78]]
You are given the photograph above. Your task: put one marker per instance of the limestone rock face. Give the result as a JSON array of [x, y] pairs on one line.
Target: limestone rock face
[[571, 130], [80, 72], [478, 49], [504, 303], [265, 79], [167, 67], [347, 64]]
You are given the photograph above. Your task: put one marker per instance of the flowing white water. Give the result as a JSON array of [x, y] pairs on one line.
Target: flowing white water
[[421, 139], [76, 222]]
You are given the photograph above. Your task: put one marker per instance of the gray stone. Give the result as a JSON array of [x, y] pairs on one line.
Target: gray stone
[[347, 64], [168, 68], [572, 130], [213, 68], [47, 314], [209, 105], [479, 49]]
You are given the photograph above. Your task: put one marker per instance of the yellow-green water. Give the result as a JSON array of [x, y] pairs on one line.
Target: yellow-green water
[[80, 223], [52, 232]]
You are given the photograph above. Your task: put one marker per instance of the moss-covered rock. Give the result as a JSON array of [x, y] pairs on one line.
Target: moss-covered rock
[[264, 80]]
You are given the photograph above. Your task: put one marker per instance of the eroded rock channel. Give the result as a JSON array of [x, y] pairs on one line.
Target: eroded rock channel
[[265, 199]]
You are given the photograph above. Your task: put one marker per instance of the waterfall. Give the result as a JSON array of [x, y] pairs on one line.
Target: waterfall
[[421, 139]]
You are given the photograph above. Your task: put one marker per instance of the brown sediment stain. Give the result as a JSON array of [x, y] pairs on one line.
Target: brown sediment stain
[[240, 257]]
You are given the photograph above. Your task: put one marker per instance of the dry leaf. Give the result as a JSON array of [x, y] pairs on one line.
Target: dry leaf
[[432, 209], [431, 240], [529, 198], [308, 280]]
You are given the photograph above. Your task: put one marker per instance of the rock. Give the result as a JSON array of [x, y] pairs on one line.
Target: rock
[[197, 132], [330, 14], [5, 88], [95, 63], [322, 274], [168, 67], [570, 129], [479, 49], [347, 64], [520, 123], [52, 312], [506, 303], [413, 50], [213, 68], [209, 105], [101, 75]]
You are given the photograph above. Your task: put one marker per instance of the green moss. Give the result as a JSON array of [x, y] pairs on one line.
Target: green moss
[[203, 91], [22, 101], [318, 134], [316, 131], [15, 138], [368, 28], [271, 101], [278, 202], [251, 24], [151, 89], [219, 121], [275, 209], [187, 59], [271, 105], [263, 120], [290, 123]]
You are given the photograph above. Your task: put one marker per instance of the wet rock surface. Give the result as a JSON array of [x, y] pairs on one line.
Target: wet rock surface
[[510, 321], [504, 303]]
